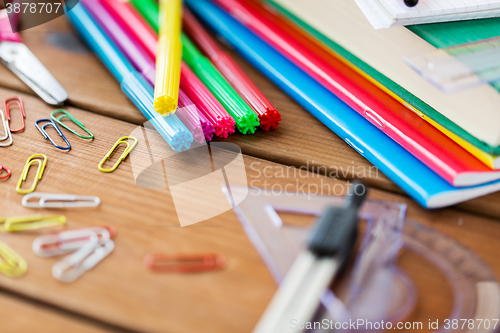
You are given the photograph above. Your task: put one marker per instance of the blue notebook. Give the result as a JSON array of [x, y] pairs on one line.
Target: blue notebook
[[416, 179]]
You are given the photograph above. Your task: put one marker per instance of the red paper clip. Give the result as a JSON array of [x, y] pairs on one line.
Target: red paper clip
[[6, 170], [7, 105], [70, 240], [184, 263]]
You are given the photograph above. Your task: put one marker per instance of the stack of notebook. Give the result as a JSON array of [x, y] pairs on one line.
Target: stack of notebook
[[441, 149]]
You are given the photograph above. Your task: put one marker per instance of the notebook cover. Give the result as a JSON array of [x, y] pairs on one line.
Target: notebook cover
[[420, 182], [447, 158], [449, 34], [390, 86], [389, 13]]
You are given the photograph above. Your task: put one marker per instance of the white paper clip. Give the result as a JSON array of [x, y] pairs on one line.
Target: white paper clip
[[51, 200], [71, 240], [73, 266]]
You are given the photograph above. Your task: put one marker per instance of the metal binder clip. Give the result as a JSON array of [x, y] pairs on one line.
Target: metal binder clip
[[50, 200], [72, 240], [46, 136], [11, 263], [184, 263], [7, 135], [7, 105], [6, 170], [32, 222], [73, 266], [73, 119], [39, 173], [124, 155]]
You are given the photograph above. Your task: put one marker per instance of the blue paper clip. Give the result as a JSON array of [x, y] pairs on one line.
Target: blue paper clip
[[50, 122]]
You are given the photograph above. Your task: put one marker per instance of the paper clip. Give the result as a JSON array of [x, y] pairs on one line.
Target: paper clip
[[7, 105], [124, 155], [6, 170], [11, 263], [73, 266], [7, 134], [67, 115], [184, 263], [50, 200], [39, 173], [46, 136], [71, 240], [32, 222]]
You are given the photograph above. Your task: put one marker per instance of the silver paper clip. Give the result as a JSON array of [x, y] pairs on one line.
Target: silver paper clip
[[50, 200], [75, 265], [71, 240], [7, 135]]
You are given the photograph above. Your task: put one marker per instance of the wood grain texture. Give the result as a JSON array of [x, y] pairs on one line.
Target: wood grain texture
[[122, 292], [19, 315]]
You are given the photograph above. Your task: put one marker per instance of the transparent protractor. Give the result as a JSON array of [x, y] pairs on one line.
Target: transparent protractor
[[476, 292]]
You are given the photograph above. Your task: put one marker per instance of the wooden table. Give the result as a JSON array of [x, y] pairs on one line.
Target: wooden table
[[120, 294]]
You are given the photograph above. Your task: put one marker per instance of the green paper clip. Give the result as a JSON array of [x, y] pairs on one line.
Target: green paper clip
[[73, 119]]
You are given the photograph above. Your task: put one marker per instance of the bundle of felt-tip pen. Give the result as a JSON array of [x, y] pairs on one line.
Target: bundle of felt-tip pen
[[199, 90]]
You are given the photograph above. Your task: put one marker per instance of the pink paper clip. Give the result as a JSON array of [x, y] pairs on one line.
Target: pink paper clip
[[71, 240]]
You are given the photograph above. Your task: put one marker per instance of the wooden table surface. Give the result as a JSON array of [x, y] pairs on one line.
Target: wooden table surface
[[120, 294]]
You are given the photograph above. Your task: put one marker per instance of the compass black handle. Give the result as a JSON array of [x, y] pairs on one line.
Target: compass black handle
[[336, 230]]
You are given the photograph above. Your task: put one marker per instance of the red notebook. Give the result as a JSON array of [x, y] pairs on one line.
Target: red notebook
[[432, 147]]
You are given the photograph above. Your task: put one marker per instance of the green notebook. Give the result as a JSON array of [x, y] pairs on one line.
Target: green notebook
[[450, 34], [439, 35]]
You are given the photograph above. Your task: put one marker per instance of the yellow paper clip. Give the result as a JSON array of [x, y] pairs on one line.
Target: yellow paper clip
[[39, 173], [124, 155], [31, 222], [11, 263]]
